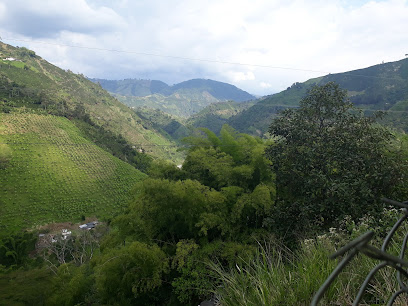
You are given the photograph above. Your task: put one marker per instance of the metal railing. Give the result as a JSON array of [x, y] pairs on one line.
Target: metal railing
[[361, 244]]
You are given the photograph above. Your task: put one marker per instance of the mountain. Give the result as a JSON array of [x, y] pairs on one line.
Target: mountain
[[32, 83], [68, 149], [216, 115], [133, 87], [219, 90], [183, 99], [380, 87]]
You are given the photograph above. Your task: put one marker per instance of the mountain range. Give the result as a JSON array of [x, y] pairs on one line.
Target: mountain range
[[381, 87], [183, 99]]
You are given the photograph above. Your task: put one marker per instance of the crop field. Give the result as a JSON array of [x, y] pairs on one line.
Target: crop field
[[50, 173]]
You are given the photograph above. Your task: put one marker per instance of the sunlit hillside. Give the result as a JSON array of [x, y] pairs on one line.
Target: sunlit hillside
[[50, 173]]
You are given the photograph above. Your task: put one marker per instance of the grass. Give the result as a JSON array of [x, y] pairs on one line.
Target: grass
[[56, 175], [277, 276]]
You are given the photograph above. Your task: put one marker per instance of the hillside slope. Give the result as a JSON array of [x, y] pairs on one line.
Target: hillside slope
[[31, 83], [380, 87], [216, 115], [49, 172]]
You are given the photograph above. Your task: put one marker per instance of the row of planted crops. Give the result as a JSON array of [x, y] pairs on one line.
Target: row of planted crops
[[54, 174]]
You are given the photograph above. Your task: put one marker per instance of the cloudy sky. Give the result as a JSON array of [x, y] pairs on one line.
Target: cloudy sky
[[261, 46]]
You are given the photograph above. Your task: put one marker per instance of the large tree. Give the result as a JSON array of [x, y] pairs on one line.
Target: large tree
[[330, 161]]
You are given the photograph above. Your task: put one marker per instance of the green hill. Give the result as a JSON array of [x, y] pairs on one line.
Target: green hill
[[166, 124], [182, 100], [134, 87], [29, 83], [50, 172], [68, 149], [216, 115], [380, 87]]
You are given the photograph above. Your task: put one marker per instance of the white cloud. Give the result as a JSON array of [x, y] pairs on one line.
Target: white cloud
[[241, 76], [327, 36], [265, 85], [37, 18], [2, 11]]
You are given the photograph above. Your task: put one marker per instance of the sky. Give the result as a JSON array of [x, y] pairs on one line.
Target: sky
[[261, 46]]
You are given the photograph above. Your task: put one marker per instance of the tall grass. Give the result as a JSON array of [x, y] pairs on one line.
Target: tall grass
[[277, 276]]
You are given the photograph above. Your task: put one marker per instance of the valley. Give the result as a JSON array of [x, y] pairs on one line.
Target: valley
[[202, 191]]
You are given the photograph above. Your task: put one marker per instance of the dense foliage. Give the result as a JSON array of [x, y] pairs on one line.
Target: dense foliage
[[330, 161], [210, 209]]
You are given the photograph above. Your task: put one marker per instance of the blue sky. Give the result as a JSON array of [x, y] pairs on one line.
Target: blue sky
[[295, 40]]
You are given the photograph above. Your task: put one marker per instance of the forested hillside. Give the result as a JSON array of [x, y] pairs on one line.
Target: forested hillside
[[380, 87], [214, 116], [244, 221]]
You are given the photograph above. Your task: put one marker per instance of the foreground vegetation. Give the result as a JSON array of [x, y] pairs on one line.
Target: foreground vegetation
[[279, 276], [233, 224]]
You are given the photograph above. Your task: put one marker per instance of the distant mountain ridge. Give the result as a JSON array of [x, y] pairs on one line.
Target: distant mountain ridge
[[214, 116], [379, 87], [183, 99], [142, 88]]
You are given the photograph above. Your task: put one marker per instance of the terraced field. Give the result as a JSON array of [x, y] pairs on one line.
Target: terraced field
[[50, 173]]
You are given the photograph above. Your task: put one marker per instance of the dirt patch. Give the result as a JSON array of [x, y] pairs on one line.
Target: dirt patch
[[54, 228]]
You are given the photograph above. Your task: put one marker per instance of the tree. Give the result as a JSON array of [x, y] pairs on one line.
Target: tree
[[129, 273], [169, 211], [330, 161], [15, 249], [233, 159]]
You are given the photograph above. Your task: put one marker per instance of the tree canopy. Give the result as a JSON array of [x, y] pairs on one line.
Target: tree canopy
[[330, 160]]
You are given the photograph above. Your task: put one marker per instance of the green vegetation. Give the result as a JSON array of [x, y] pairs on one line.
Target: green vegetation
[[214, 116], [278, 276], [380, 87], [246, 221], [321, 150], [52, 173], [47, 89], [166, 124]]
